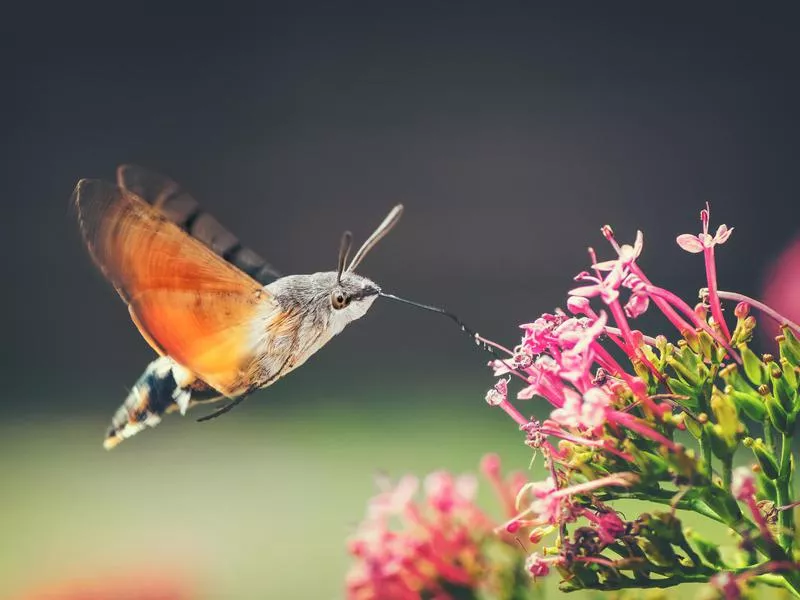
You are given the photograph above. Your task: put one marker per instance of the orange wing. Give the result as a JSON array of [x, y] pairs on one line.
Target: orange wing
[[187, 302]]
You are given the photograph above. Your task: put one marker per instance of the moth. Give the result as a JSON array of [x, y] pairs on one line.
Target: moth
[[223, 322]]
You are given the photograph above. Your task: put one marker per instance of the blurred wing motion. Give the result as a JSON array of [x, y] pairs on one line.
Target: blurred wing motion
[[188, 302], [183, 210]]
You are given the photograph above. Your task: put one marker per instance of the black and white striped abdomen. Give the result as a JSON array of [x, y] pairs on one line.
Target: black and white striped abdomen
[[165, 386]]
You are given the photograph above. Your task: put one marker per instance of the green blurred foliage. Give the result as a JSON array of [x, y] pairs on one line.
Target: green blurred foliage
[[257, 504]]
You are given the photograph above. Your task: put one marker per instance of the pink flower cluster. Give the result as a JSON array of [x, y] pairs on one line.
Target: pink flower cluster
[[616, 399], [564, 358], [412, 548]]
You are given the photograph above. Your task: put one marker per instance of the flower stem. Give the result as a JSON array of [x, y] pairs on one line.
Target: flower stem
[[667, 497], [713, 296], [784, 485], [736, 297], [769, 438], [776, 581], [705, 445], [663, 582], [727, 472]]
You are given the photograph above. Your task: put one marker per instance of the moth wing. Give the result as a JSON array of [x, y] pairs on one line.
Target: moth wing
[[181, 208], [187, 302]]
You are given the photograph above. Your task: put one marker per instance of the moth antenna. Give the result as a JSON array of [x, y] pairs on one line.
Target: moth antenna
[[385, 227], [344, 252], [463, 326]]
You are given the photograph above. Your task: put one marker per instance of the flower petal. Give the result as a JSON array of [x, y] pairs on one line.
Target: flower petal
[[606, 265], [638, 244], [690, 243], [723, 233], [587, 291]]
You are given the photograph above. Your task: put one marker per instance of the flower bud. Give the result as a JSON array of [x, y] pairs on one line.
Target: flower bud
[[753, 367], [490, 465], [683, 389], [777, 415], [789, 373], [708, 550], [732, 376], [692, 341], [719, 443], [659, 551], [728, 425], [687, 368], [765, 458], [578, 305], [751, 403], [742, 309], [642, 372], [701, 310], [766, 487], [722, 503], [790, 346], [706, 343], [781, 390]]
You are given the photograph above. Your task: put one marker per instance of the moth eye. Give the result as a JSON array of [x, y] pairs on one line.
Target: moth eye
[[338, 300]]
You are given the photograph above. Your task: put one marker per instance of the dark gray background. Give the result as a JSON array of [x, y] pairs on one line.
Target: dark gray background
[[511, 134]]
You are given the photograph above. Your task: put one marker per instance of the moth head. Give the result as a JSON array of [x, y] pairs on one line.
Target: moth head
[[335, 298], [352, 294]]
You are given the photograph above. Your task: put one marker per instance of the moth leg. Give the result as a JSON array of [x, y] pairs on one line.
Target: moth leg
[[230, 405], [223, 409]]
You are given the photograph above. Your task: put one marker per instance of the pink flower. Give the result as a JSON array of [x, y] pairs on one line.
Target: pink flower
[[545, 505], [539, 334], [427, 547], [607, 288], [727, 585], [392, 500], [498, 394], [626, 253], [538, 565], [743, 486], [580, 334], [610, 527], [640, 300], [543, 376], [446, 493], [578, 305], [697, 243], [583, 412], [547, 502]]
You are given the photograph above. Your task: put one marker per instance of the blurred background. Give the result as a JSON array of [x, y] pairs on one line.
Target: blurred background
[[511, 135]]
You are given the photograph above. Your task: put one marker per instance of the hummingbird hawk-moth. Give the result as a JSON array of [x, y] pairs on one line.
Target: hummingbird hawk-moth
[[223, 322]]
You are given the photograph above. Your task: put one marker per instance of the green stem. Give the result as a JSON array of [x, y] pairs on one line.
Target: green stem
[[705, 445], [727, 472], [667, 497], [663, 582], [784, 486], [776, 581], [769, 437]]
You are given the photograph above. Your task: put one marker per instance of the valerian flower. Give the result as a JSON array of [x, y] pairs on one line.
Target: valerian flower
[[697, 243], [743, 485], [637, 417], [435, 546]]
